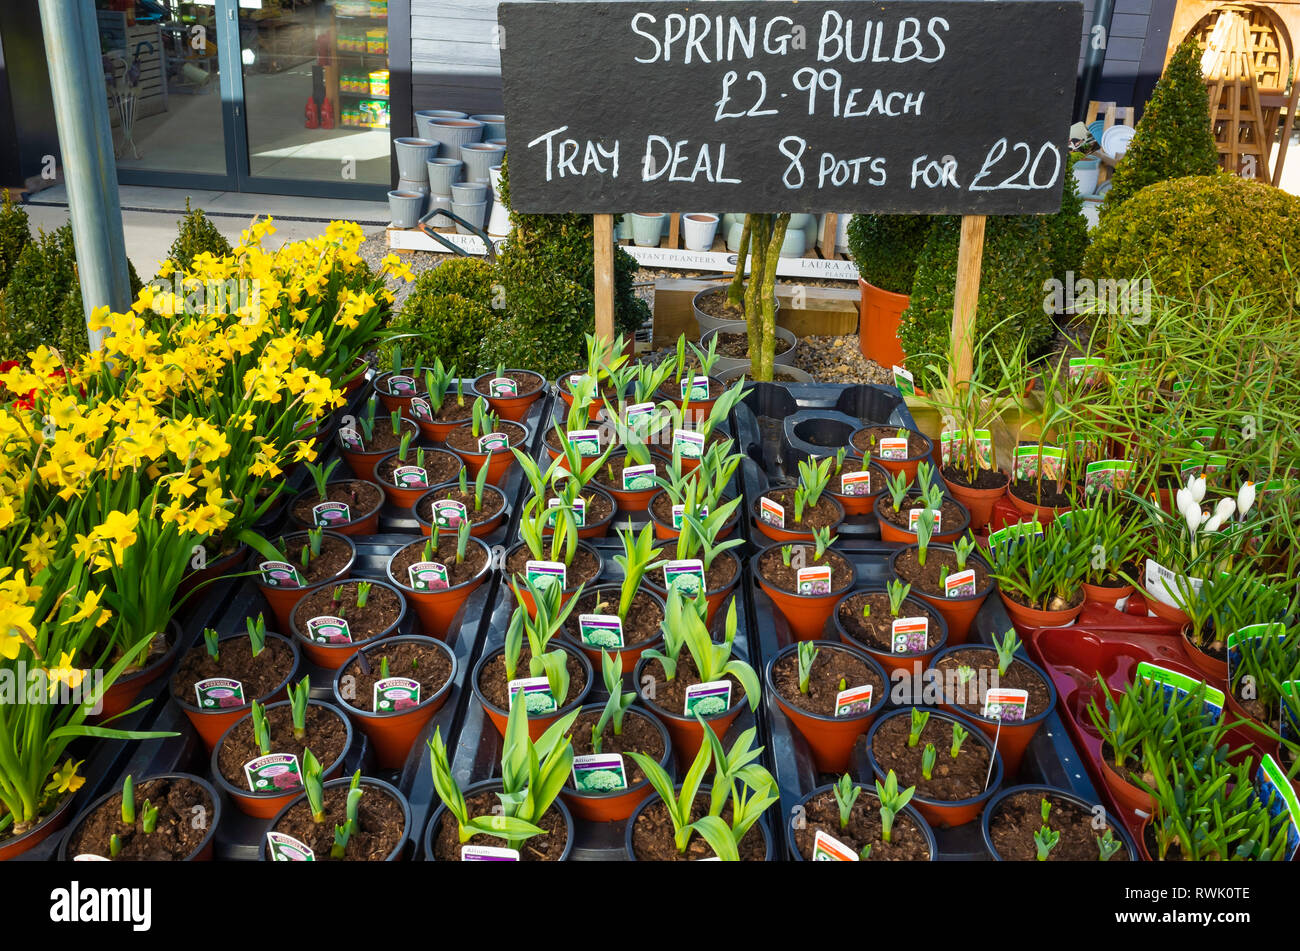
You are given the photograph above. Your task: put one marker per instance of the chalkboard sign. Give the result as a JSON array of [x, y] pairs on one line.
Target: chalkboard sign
[[915, 106]]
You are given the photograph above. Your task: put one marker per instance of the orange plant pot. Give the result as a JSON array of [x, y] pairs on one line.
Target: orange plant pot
[[1026, 619], [1166, 612], [889, 532], [862, 504], [664, 531], [333, 656], [628, 656], [1101, 594], [283, 600], [958, 613], [437, 432], [536, 725], [879, 314], [1046, 513], [367, 523], [978, 502], [404, 497], [614, 807], [1211, 668], [437, 609], [910, 465], [806, 614], [480, 530], [211, 725], [526, 599], [202, 852], [714, 599], [498, 463], [15, 846], [513, 408], [686, 732], [391, 402], [790, 535], [1127, 795], [122, 693]]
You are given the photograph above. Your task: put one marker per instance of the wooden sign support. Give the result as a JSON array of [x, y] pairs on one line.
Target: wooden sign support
[[970, 254], [604, 276]]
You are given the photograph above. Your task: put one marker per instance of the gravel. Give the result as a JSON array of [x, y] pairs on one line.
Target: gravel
[[838, 359]]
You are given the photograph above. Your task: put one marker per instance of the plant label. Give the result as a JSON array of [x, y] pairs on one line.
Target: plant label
[[1107, 474], [1288, 726], [910, 634], [1175, 684], [892, 447], [329, 630], [90, 857], [1251, 632], [544, 573], [829, 849], [579, 509], [275, 771], [708, 699], [448, 513], [285, 848], [689, 443], [639, 414], [853, 701], [1006, 704], [1014, 533], [773, 513], [487, 853], [575, 379], [1169, 587], [639, 478], [1087, 371], [420, 408], [914, 516], [1029, 460], [538, 699], [904, 380], [493, 442], [601, 630], [586, 442], [411, 477], [815, 580], [856, 483], [599, 773], [955, 448], [687, 576], [401, 385], [1277, 794], [679, 514], [960, 584], [280, 574], [395, 694], [428, 576], [217, 692], [351, 439], [330, 513], [695, 388], [503, 386]]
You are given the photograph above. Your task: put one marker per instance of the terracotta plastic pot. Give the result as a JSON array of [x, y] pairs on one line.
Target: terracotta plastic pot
[[401, 496], [526, 599], [266, 805], [356, 377], [1166, 612], [868, 793], [212, 724], [1014, 736], [664, 531], [714, 598], [494, 785], [363, 523], [629, 500], [562, 387], [600, 528], [1127, 795], [391, 401], [629, 655], [14, 846], [830, 738], [890, 662], [943, 815], [1252, 728], [791, 535], [978, 502], [613, 807], [394, 856], [123, 692], [362, 463], [536, 725], [498, 463], [201, 853], [513, 408], [333, 656], [1046, 513], [686, 731], [879, 314], [894, 466], [1211, 668], [392, 735], [704, 790], [283, 600], [861, 504], [696, 409], [436, 432], [806, 614], [1105, 594], [1026, 619], [479, 530], [437, 609], [958, 613], [213, 570], [991, 810], [889, 532]]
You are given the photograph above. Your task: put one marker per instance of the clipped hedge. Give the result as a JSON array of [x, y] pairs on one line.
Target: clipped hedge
[[196, 236], [885, 248], [450, 307]]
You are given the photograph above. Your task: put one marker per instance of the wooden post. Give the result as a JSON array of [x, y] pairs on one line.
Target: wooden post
[[970, 252], [604, 279]]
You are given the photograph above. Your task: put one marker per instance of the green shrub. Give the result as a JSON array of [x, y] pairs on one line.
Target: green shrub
[[1017, 263], [1068, 227], [450, 307], [885, 248], [1189, 232], [15, 233], [196, 235], [1173, 138]]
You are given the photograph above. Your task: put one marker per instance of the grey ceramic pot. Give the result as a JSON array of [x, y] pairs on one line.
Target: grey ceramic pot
[[405, 208], [424, 117], [473, 212], [443, 173], [494, 126], [478, 158], [453, 133], [413, 155], [469, 192]]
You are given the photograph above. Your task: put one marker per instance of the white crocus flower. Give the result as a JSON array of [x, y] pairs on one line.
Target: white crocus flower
[[1183, 501], [1193, 516], [1196, 486], [1245, 497]]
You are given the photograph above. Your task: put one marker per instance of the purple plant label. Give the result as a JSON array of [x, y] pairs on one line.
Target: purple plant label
[[538, 699], [350, 438], [914, 515], [285, 848], [695, 388], [708, 699], [960, 585], [579, 508], [493, 442], [814, 580], [853, 701], [543, 573], [892, 447], [420, 408], [601, 630], [599, 773], [503, 386], [329, 630], [428, 576], [273, 773], [330, 513], [830, 849], [639, 478], [689, 443], [401, 385], [586, 442], [856, 483], [679, 514], [448, 513], [910, 634], [687, 576], [395, 694], [487, 853], [575, 379], [217, 692], [773, 513], [1006, 704], [411, 477], [280, 574], [639, 413]]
